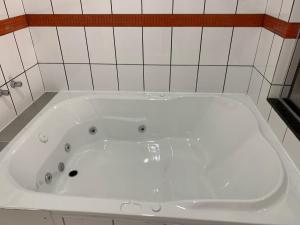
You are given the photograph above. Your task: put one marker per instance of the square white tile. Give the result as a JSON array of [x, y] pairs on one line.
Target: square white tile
[[130, 77], [73, 44], [157, 6], [215, 46], [184, 78], [126, 7], [105, 77], [186, 45], [252, 6], [157, 45], [21, 95], [35, 82], [277, 125], [292, 146], [96, 7], [263, 50], [244, 45], [220, 6], [188, 6], [255, 85], [2, 80], [66, 7], [79, 77], [211, 79], [157, 78], [14, 8], [43, 7], [26, 49], [129, 46], [101, 44], [46, 44], [7, 111], [54, 77], [273, 57], [9, 58], [237, 79]]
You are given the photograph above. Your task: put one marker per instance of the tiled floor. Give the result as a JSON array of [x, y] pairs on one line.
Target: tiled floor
[[19, 123]]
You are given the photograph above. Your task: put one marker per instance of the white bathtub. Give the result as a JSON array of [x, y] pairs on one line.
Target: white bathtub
[[158, 155]]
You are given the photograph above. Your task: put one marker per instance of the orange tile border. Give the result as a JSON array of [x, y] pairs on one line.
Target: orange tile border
[[280, 27]]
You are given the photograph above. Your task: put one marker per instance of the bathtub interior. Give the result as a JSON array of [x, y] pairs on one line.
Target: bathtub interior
[[155, 150]]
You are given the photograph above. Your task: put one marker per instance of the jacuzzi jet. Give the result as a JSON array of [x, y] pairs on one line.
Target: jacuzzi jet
[[61, 167], [67, 147], [73, 173], [48, 178], [142, 129], [93, 130]]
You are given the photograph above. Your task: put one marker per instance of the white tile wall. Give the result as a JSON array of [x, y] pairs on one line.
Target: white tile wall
[[186, 45], [43, 7], [188, 6], [255, 85], [157, 78], [157, 45], [237, 79], [244, 45], [126, 7], [79, 76], [66, 7], [292, 145], [157, 6], [35, 82], [220, 6], [101, 44], [130, 77], [3, 12], [252, 6], [274, 7], [105, 77], [211, 79], [73, 44], [96, 7], [14, 8], [215, 46], [54, 77], [129, 45], [183, 78]]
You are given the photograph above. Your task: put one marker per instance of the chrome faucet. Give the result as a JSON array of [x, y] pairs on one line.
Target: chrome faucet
[[4, 92], [15, 84]]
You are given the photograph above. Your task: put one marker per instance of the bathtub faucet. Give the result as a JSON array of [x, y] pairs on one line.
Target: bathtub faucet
[[4, 92], [15, 84]]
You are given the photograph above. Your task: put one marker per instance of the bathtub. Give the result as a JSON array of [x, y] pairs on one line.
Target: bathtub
[[155, 155]]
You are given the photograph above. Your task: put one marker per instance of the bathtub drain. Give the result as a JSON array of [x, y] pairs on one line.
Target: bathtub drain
[[73, 173]]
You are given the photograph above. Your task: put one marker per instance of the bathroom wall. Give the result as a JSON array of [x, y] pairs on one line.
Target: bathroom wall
[[151, 59], [18, 62]]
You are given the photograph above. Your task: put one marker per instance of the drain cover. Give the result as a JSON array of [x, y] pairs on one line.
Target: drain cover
[[73, 173]]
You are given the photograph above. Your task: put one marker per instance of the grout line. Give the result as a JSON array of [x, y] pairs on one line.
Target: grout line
[[143, 52], [198, 66], [171, 51], [228, 57]]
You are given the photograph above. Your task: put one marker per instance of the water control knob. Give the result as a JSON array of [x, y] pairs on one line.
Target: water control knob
[[43, 138], [156, 208]]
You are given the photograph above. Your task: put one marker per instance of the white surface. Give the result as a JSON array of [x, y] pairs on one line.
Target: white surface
[[188, 6], [96, 7], [211, 79], [215, 45], [220, 6], [126, 7], [193, 140], [157, 78], [130, 77], [46, 44], [129, 45], [184, 78], [237, 79], [66, 7], [105, 77], [186, 45], [157, 6], [54, 77], [79, 76], [35, 82]]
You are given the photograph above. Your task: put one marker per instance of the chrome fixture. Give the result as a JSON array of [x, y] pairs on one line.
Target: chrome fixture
[[142, 128], [93, 130], [61, 167], [67, 147], [15, 84], [48, 178], [4, 92]]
